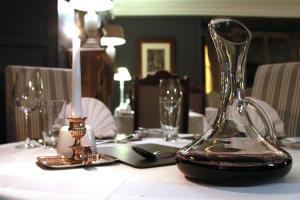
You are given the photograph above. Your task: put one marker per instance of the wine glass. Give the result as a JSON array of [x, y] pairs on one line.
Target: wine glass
[[27, 93], [170, 97]]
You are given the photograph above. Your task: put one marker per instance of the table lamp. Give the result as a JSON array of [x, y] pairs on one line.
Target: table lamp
[[122, 75], [113, 35]]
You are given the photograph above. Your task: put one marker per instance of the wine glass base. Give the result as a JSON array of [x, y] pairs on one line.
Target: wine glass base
[[29, 144]]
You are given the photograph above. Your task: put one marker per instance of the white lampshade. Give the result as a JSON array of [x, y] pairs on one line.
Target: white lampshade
[[122, 74], [112, 41], [92, 5], [113, 35]]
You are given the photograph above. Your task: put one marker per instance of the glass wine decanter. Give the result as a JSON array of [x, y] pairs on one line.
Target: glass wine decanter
[[233, 151]]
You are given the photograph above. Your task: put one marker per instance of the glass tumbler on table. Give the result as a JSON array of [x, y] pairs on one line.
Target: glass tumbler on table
[[53, 114], [170, 97], [27, 93]]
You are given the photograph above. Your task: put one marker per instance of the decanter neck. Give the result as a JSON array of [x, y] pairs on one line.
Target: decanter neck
[[232, 75]]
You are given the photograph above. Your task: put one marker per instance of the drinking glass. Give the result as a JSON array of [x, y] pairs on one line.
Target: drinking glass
[[27, 93], [53, 119], [170, 98]]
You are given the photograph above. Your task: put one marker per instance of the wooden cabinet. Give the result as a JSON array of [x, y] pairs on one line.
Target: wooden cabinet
[[97, 70]]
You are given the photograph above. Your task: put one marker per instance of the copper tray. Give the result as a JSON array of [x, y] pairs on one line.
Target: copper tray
[[62, 162]]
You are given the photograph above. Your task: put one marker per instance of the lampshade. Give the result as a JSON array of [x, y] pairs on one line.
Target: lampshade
[[122, 74], [92, 5], [113, 35]]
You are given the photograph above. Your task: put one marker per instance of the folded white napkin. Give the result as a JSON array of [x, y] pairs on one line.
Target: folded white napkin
[[210, 116], [98, 116], [273, 115], [211, 113]]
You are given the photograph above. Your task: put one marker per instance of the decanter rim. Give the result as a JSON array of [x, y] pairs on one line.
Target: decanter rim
[[224, 19]]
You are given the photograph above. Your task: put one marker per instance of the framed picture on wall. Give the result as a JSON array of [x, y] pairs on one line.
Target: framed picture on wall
[[154, 55]]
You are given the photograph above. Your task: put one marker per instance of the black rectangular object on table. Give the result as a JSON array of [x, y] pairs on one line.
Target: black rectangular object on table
[[129, 157]]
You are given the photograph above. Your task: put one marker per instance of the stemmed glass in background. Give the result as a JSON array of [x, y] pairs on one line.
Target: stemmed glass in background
[[27, 94], [170, 97]]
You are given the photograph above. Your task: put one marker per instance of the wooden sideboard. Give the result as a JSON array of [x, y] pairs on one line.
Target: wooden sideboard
[[97, 70]]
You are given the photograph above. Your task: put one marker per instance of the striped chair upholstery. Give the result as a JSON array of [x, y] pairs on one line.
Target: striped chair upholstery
[[57, 85], [279, 86]]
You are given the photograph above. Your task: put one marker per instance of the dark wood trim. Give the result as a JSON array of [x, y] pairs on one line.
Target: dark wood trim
[[198, 90], [52, 33]]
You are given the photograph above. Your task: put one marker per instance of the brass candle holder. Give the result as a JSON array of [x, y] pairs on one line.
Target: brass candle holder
[[77, 130], [82, 155]]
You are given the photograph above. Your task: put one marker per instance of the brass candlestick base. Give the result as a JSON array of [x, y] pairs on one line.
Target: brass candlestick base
[[77, 130], [82, 155]]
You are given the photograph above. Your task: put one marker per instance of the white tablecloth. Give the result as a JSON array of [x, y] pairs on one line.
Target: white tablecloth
[[21, 178], [197, 122]]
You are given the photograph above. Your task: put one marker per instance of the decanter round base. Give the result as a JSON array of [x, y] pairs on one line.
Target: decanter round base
[[216, 174]]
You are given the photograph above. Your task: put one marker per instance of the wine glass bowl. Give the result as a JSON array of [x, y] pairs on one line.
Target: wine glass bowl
[[27, 94]]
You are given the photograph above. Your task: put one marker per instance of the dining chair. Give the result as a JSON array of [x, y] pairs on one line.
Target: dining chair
[[197, 99], [279, 86], [146, 104], [57, 85]]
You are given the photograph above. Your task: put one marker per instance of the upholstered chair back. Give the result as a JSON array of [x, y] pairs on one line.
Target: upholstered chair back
[[279, 86], [57, 85]]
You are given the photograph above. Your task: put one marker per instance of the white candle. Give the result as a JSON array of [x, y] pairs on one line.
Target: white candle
[[76, 78]]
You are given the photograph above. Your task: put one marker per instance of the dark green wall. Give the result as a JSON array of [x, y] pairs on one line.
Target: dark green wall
[[185, 31]]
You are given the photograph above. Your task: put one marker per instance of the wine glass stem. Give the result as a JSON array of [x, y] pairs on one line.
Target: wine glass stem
[[27, 116]]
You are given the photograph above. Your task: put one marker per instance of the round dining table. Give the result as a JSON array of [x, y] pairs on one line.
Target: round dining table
[[22, 178]]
